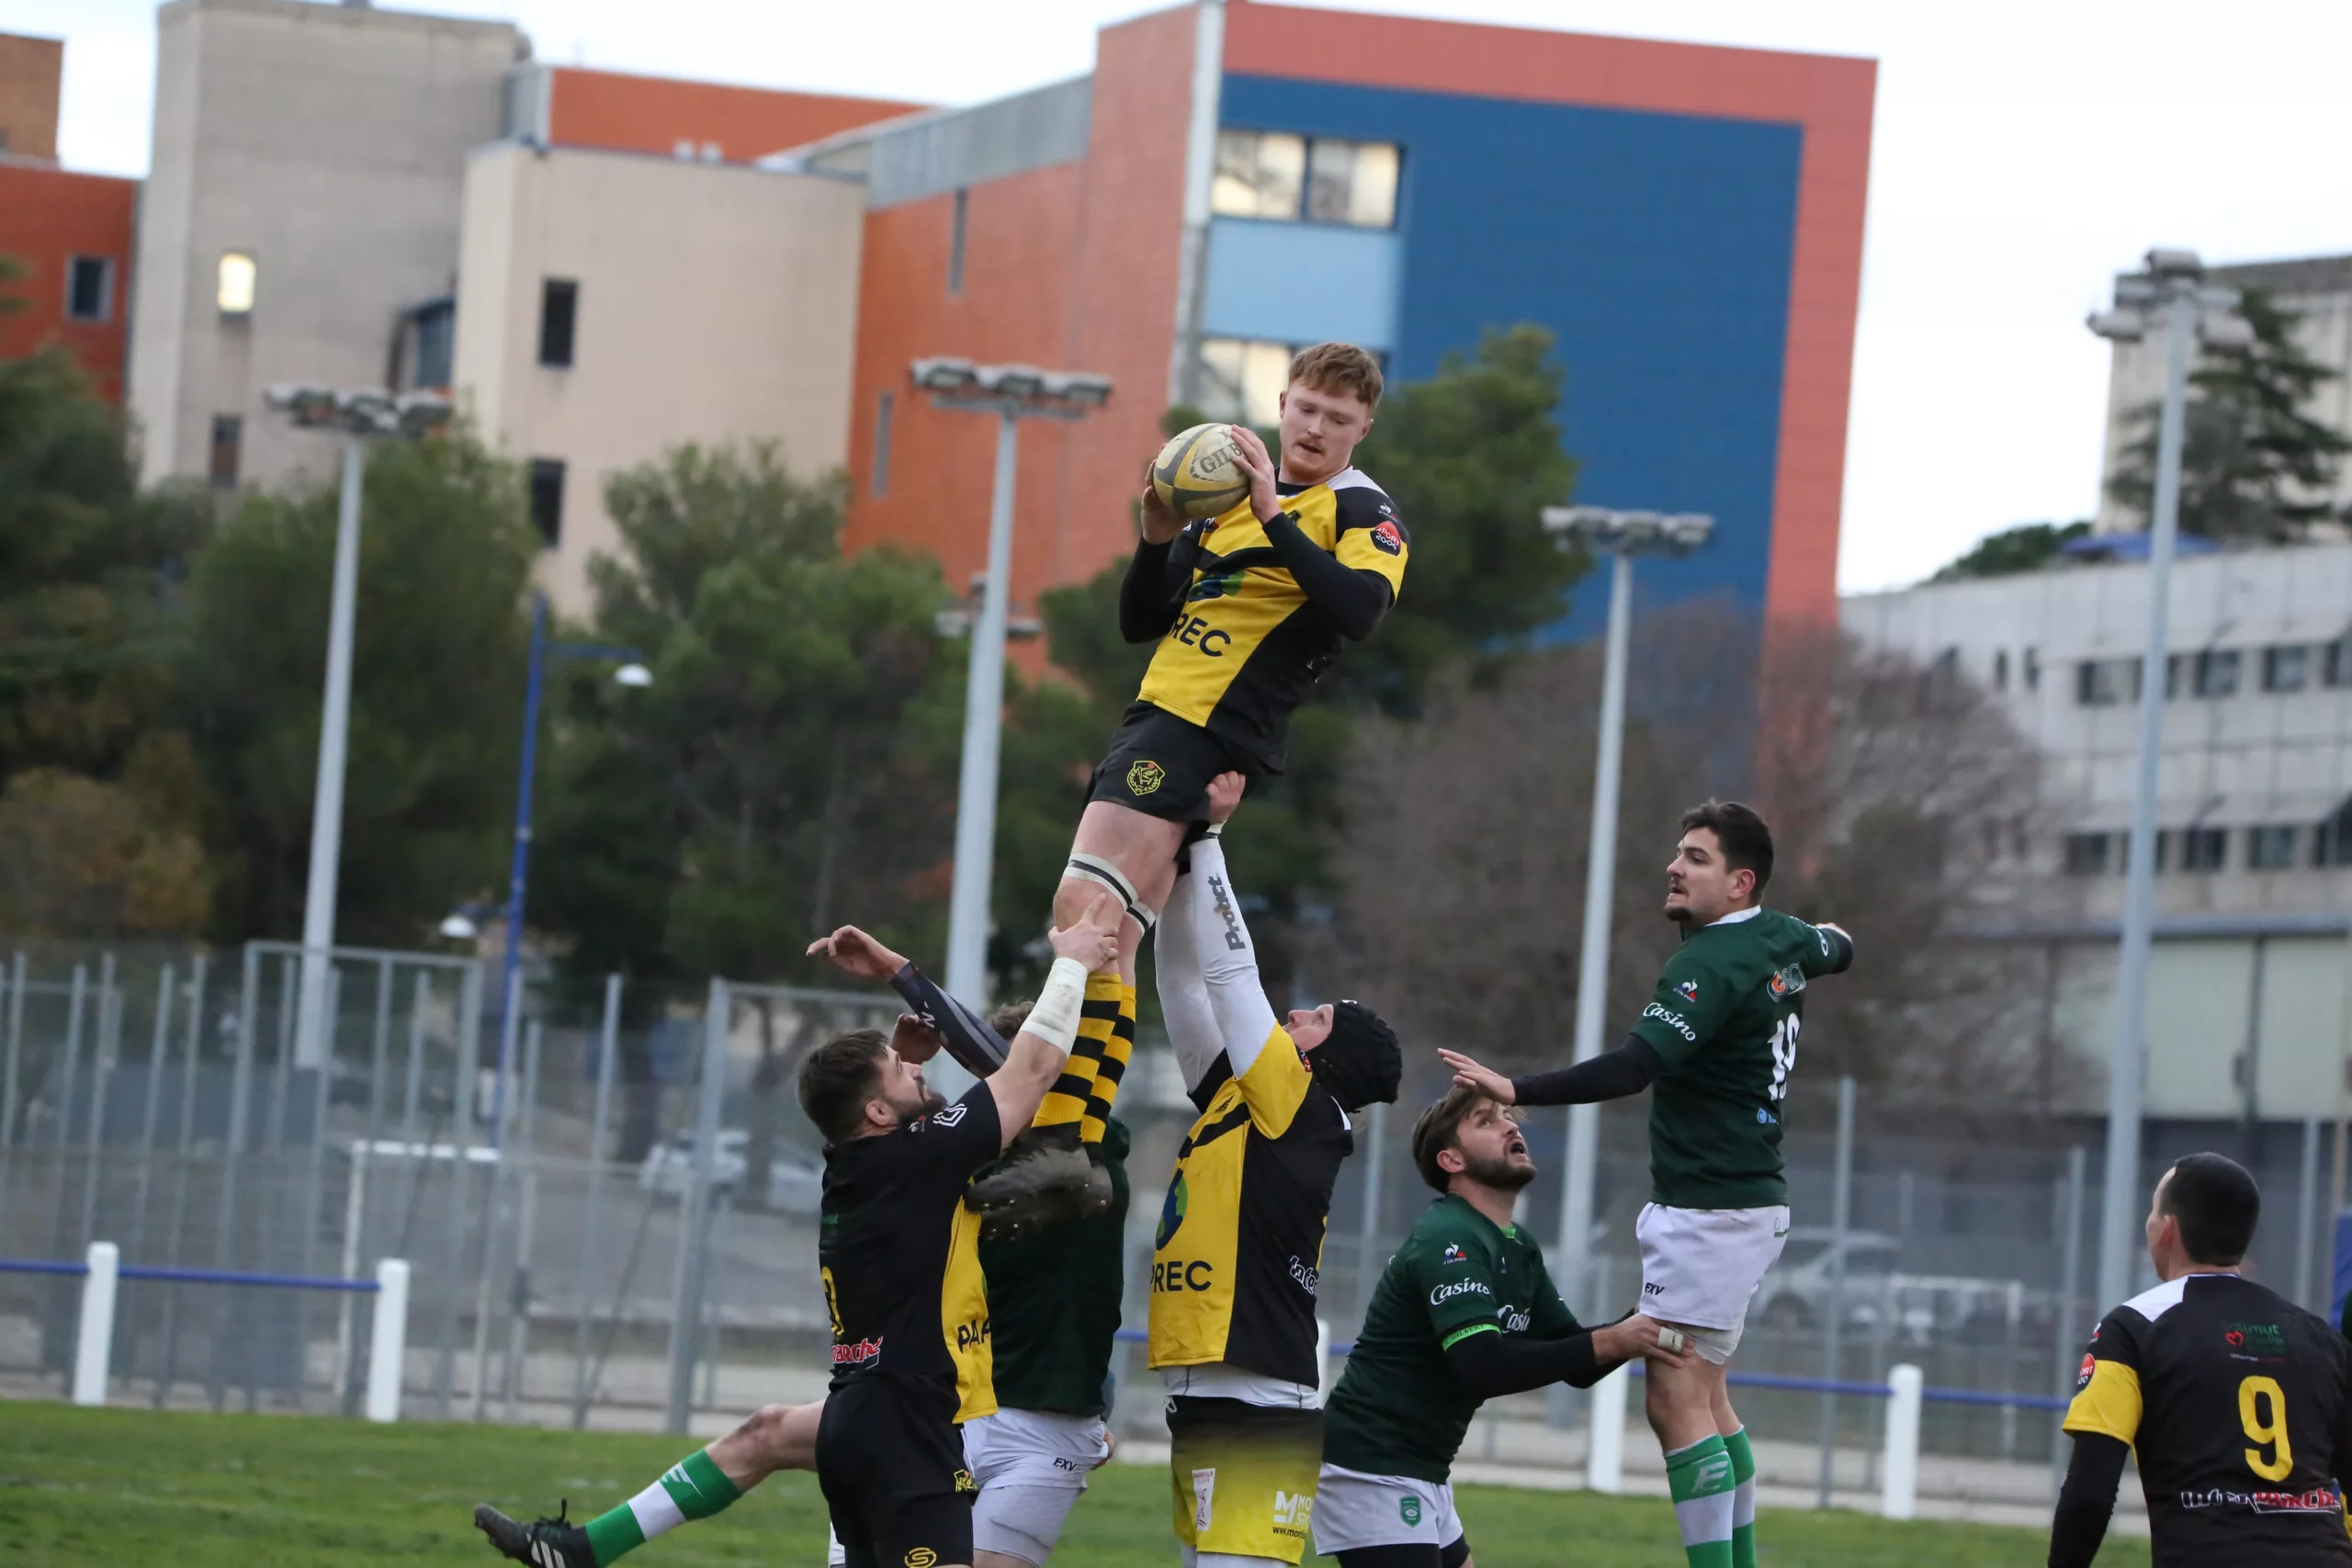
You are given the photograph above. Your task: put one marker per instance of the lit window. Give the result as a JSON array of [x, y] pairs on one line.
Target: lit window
[[89, 288], [547, 500], [1351, 182], [1259, 173], [2086, 854], [2217, 673], [2271, 846], [239, 276], [2287, 668], [1244, 380]]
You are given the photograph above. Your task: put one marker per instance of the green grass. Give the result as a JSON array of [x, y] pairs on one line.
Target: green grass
[[117, 1486]]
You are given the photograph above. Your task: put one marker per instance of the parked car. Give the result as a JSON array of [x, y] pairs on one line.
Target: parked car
[[1879, 1299], [795, 1181], [669, 1168]]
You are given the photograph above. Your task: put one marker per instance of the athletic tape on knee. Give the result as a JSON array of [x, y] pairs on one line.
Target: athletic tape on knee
[[1102, 874]]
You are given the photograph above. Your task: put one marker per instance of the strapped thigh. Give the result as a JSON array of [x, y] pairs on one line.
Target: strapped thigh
[[1102, 874]]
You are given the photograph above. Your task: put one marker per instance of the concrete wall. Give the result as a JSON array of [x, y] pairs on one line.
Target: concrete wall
[[716, 302], [330, 143]]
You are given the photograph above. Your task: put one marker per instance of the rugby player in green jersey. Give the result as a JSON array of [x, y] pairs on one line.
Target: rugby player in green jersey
[[1463, 1314], [1718, 1041]]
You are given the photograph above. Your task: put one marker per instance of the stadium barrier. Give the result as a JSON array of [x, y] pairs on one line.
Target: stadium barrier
[[103, 1269]]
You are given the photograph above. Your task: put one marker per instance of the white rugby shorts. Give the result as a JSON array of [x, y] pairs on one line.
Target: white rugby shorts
[[1353, 1510], [1700, 1268], [1031, 1466]]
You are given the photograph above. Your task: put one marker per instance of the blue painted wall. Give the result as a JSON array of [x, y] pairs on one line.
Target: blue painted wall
[[1657, 247]]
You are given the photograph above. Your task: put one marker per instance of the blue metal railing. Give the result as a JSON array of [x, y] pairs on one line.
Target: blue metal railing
[[188, 1276]]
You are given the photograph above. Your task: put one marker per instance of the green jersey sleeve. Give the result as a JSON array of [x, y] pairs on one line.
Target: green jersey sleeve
[[1456, 1279], [1692, 1003], [1825, 953]]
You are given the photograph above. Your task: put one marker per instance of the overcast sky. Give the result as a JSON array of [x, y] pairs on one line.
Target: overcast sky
[[2023, 153]]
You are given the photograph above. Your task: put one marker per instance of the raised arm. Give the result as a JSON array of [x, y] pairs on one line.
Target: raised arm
[[1226, 961], [978, 1049], [1035, 1058]]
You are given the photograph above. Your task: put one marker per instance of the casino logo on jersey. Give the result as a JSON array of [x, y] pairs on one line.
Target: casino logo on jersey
[[1145, 777]]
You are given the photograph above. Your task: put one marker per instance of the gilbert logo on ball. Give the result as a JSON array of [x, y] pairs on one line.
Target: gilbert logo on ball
[[1145, 777], [1196, 473]]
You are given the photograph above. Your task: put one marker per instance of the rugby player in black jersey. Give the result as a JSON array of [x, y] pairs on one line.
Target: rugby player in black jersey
[[2238, 1402], [1249, 608]]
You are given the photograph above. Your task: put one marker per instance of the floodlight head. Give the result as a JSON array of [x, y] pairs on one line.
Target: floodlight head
[[2175, 263], [633, 675], [2118, 326], [1012, 380], [1082, 388], [1607, 530], [2135, 288], [2225, 329], [308, 407], [944, 374], [422, 413], [458, 926], [1686, 531]]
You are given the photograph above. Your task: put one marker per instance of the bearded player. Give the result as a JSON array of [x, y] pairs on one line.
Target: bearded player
[[1249, 607], [1718, 1042], [1463, 1314]]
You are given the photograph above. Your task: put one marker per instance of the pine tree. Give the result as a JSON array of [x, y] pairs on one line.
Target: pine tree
[[2255, 467]]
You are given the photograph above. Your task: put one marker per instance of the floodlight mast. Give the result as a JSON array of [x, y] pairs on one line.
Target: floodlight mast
[[2169, 295], [1621, 536], [1012, 393]]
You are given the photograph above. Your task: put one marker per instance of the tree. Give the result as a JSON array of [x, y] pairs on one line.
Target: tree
[[437, 673], [2255, 466], [2028, 546], [90, 629]]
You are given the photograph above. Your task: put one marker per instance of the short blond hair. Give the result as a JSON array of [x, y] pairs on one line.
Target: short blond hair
[[1337, 368]]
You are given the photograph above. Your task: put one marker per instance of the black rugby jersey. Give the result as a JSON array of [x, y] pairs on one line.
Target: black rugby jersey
[[900, 1256], [1242, 645], [1236, 1264], [2236, 1403]]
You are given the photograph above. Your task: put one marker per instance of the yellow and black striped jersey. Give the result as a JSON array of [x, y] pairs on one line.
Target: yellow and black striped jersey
[[2236, 1403], [1236, 1263], [898, 1254], [1245, 645]]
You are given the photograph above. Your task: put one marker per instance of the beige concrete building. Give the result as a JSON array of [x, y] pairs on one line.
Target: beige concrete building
[[302, 207], [614, 305], [2319, 289]]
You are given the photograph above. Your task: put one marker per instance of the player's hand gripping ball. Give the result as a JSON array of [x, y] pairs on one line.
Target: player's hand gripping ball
[[1196, 475]]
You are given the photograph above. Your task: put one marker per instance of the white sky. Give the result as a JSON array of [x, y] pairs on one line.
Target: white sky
[[2025, 150]]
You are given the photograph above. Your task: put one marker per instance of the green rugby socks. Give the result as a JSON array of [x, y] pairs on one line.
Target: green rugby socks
[[1743, 1499], [694, 1488], [1699, 1478]]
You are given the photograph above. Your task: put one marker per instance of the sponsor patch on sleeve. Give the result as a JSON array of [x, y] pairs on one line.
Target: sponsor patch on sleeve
[[2083, 1378], [1388, 538]]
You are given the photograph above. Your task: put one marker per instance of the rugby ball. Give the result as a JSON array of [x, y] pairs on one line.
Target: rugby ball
[[1196, 473]]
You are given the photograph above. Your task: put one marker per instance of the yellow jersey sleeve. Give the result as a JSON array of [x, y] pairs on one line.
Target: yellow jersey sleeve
[[1381, 547], [1274, 1084], [2108, 1402]]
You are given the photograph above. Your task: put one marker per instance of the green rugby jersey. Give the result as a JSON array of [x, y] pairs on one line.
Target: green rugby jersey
[[1053, 1302], [1400, 1410], [1725, 1019]]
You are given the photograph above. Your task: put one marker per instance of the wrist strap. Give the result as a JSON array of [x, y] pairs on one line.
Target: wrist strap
[[1055, 1018]]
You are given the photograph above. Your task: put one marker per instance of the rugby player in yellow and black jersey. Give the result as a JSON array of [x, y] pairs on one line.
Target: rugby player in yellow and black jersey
[[1249, 608], [1236, 1263], [2237, 1402], [899, 1258]]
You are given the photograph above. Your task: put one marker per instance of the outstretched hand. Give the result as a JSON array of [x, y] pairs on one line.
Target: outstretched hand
[[1224, 796], [1093, 941], [855, 953], [1486, 1081]]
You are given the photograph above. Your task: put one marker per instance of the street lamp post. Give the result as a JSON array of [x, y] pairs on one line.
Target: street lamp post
[[1011, 393], [1619, 535], [357, 416], [2169, 295]]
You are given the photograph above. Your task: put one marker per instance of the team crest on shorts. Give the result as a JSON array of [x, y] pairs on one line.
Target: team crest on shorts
[[922, 1557], [965, 1484], [1145, 777], [1408, 1508]]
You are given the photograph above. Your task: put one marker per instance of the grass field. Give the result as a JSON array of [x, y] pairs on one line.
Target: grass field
[[113, 1486]]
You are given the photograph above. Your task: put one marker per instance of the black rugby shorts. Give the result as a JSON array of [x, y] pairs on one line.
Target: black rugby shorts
[[1161, 766], [893, 1477]]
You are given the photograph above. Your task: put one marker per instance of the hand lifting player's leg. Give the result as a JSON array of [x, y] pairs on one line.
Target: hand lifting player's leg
[[777, 1437]]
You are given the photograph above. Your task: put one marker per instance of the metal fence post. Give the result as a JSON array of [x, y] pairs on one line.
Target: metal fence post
[[167, 1372], [1840, 1205], [694, 1240], [1899, 1478], [157, 1054], [94, 1346], [9, 1073], [461, 1115], [387, 1340], [592, 1225], [2070, 1284], [2307, 1218], [518, 1313], [101, 1071]]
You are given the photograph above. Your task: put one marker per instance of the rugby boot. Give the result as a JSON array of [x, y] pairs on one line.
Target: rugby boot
[[1046, 1177], [547, 1543]]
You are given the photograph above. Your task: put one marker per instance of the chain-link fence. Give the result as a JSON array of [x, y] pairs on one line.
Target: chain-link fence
[[626, 1233]]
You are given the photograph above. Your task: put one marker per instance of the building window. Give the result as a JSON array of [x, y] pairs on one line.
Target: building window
[[2086, 854], [239, 280], [2103, 682], [2287, 668], [2270, 847], [2331, 840], [2029, 667], [1243, 379], [1278, 174], [2217, 673], [958, 228], [2203, 848], [881, 481], [89, 288], [547, 498], [558, 322], [228, 445], [2337, 661], [436, 343], [2001, 669]]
